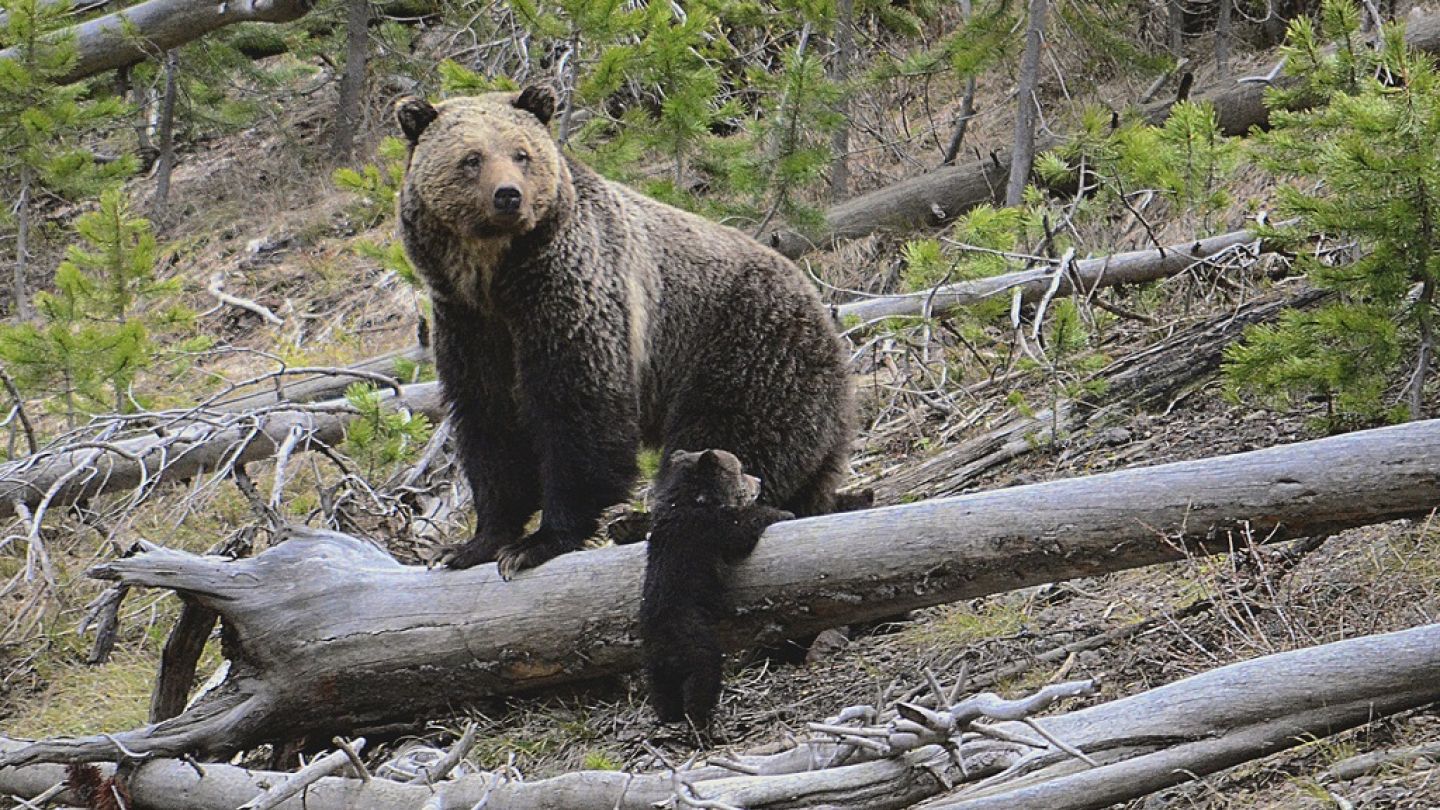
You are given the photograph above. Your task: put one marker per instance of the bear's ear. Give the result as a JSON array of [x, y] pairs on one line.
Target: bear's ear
[[710, 460], [414, 115], [538, 100]]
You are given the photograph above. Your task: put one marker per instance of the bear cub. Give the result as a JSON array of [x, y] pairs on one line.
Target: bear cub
[[704, 516]]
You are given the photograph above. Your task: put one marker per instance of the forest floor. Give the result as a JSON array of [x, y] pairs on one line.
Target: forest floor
[[260, 209]]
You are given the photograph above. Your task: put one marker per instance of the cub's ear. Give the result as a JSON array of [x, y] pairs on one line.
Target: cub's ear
[[414, 115], [711, 460], [538, 100]]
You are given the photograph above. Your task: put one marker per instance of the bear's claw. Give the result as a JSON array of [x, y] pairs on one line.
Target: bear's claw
[[476, 551]]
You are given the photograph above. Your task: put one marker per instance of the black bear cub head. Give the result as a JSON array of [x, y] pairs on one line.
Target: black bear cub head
[[706, 479]]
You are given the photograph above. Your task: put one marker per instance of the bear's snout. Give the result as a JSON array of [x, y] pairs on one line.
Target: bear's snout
[[507, 200]]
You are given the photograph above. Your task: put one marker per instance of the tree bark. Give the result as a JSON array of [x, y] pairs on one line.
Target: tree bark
[[352, 81], [166, 164], [1132, 267], [1222, 38], [1176, 26], [135, 33], [941, 195], [1214, 720], [19, 282], [327, 634], [192, 443], [1023, 156], [840, 74]]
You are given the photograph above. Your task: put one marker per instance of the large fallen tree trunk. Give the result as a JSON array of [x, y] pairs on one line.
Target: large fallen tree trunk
[[327, 634], [193, 442], [1132, 267], [1139, 744], [947, 192], [136, 33]]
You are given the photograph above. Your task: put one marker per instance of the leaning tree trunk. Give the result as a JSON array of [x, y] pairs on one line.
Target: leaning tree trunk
[[318, 385], [943, 194], [133, 34], [327, 634]]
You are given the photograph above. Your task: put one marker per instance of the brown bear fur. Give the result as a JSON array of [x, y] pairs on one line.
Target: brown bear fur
[[576, 318], [704, 515]]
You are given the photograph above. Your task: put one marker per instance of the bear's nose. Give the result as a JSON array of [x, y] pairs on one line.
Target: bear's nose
[[507, 199]]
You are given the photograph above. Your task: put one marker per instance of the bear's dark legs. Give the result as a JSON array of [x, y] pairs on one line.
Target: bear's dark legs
[[586, 448], [503, 482], [472, 357], [817, 496], [667, 693], [687, 685], [702, 685], [574, 499]]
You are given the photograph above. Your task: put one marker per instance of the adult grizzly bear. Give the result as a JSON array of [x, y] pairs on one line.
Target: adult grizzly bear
[[576, 318]]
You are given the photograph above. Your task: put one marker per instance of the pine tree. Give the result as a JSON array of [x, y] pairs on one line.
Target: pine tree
[[41, 127], [1371, 143], [94, 335]]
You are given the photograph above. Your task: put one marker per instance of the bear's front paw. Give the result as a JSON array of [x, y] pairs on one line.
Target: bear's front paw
[[538, 548], [469, 554]]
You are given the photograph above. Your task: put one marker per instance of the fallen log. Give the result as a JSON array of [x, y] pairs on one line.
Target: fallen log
[[1139, 744], [309, 387], [941, 195], [191, 443], [136, 33], [327, 634], [1214, 720], [1132, 267]]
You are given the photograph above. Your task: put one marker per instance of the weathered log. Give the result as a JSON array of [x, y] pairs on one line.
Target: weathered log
[[327, 634], [317, 386], [1217, 719], [136, 33], [1131, 267], [949, 191], [194, 442], [1141, 743]]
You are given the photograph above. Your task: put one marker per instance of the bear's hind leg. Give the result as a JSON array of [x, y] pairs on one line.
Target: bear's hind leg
[[702, 686], [817, 496], [667, 692]]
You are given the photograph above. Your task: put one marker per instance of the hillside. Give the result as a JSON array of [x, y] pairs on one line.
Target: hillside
[[268, 259]]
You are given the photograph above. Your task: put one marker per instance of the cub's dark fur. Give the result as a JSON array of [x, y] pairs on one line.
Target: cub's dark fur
[[704, 516], [576, 319]]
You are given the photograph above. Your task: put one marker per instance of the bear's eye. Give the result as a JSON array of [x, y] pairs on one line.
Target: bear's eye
[[471, 161], [522, 157]]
